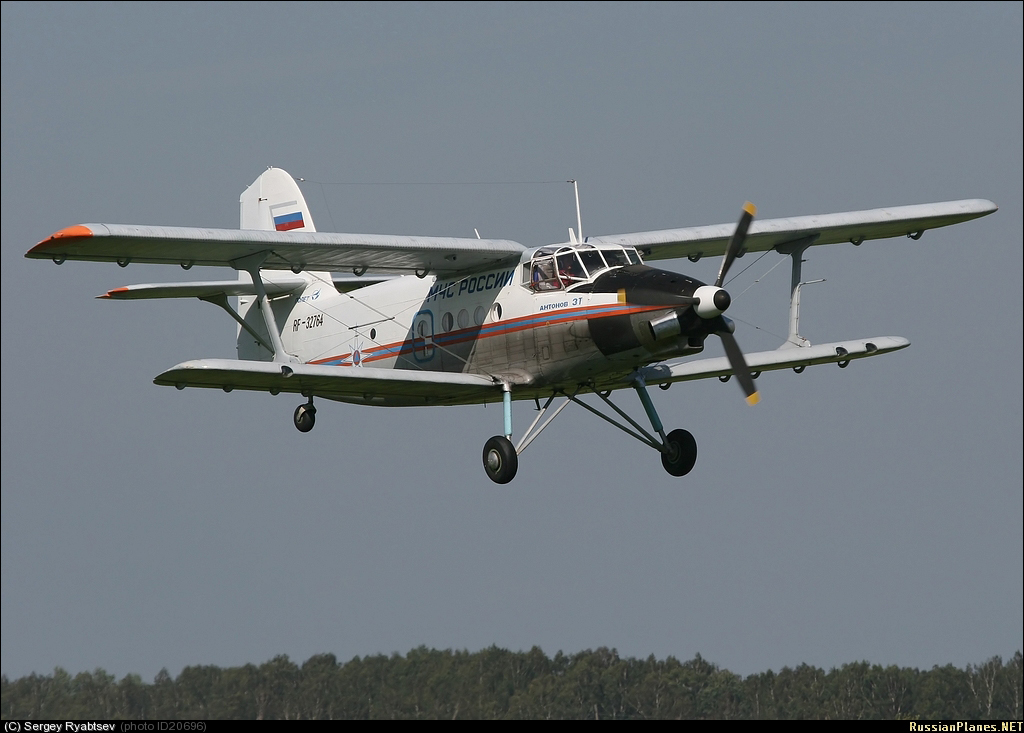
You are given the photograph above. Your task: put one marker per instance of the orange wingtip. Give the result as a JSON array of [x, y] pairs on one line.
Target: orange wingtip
[[754, 398], [112, 293], [750, 208], [78, 230]]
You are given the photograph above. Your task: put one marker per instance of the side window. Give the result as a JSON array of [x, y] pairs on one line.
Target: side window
[[543, 276]]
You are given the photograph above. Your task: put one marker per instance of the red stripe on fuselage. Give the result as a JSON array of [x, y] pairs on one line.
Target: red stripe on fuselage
[[490, 330]]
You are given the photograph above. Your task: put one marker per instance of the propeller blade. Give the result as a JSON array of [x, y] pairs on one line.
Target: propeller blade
[[736, 243], [739, 367]]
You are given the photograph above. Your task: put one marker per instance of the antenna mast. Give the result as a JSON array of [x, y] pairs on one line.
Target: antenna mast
[[579, 218]]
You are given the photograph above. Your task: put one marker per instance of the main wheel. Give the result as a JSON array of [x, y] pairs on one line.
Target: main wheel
[[500, 459], [305, 417], [682, 453]]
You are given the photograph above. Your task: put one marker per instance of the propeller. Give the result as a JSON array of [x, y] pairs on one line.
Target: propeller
[[732, 349], [736, 243], [739, 367]]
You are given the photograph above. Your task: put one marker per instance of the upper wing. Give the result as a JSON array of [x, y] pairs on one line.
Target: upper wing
[[765, 234], [365, 385], [296, 251]]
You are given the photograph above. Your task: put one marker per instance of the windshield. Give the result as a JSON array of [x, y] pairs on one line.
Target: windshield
[[559, 268]]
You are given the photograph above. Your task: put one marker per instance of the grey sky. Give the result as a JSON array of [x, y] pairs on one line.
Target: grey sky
[[871, 513]]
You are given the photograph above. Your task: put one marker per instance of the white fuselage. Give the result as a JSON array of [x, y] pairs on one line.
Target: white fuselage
[[491, 322]]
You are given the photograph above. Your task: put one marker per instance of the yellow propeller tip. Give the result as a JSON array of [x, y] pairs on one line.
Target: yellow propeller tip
[[754, 398], [750, 208]]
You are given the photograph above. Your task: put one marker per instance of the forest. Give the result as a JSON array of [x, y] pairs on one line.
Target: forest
[[497, 683]]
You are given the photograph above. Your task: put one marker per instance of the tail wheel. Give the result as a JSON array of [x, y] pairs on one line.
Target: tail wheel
[[500, 459], [305, 417], [682, 453]]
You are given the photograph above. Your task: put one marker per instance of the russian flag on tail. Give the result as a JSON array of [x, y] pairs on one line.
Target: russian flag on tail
[[289, 221]]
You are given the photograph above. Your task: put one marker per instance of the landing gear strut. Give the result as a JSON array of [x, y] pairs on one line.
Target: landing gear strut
[[501, 460], [305, 416]]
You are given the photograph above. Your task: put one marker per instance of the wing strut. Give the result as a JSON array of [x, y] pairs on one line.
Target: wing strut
[[222, 300], [795, 250], [251, 264]]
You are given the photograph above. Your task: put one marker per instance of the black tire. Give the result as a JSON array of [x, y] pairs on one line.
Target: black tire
[[682, 454], [305, 417], [500, 459]]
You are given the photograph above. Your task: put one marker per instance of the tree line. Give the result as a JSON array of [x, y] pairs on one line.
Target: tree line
[[497, 683]]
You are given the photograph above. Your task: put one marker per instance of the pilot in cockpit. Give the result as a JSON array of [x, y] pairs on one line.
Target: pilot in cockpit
[[543, 277], [569, 269]]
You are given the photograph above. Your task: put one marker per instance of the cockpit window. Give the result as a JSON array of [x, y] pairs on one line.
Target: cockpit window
[[558, 268], [570, 269], [615, 257], [592, 259]]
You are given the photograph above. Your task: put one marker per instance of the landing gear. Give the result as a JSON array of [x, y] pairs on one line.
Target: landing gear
[[681, 453], [678, 449], [500, 459], [305, 416]]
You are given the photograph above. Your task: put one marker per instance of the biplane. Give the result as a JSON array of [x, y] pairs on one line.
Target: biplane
[[390, 320]]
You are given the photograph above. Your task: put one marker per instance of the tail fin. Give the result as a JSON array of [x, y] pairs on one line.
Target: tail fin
[[273, 202]]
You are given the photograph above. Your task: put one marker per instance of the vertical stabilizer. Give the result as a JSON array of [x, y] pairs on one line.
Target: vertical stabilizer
[[273, 202]]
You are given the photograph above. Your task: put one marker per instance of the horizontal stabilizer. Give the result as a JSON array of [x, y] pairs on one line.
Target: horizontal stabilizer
[[783, 358], [275, 283], [361, 385]]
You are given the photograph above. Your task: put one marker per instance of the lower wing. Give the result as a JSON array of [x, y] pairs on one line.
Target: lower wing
[[362, 385], [797, 357]]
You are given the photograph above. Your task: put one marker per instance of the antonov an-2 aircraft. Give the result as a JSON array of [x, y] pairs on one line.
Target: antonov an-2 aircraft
[[445, 321]]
